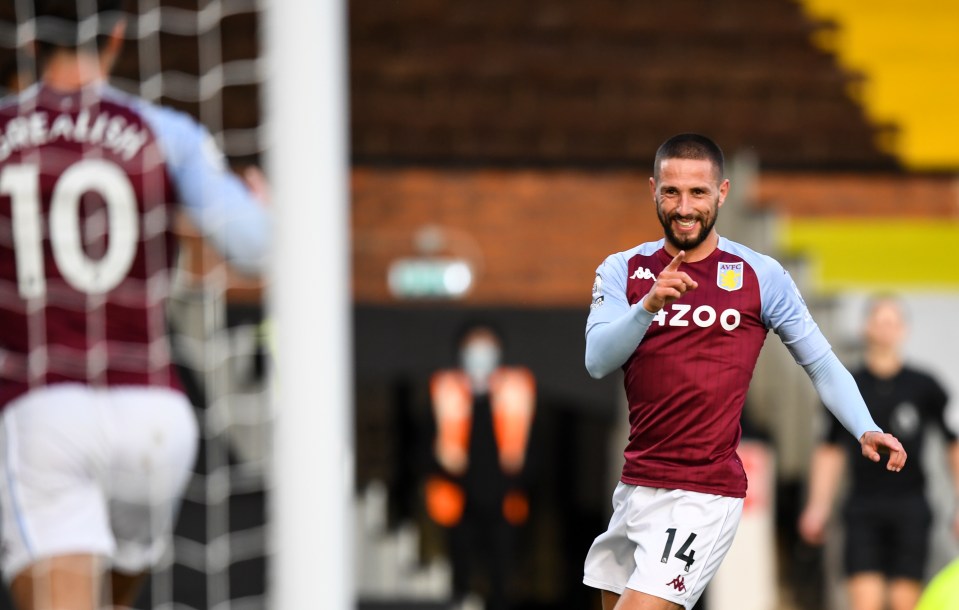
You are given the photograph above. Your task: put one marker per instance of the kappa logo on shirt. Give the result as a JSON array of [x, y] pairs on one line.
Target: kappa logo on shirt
[[642, 273]]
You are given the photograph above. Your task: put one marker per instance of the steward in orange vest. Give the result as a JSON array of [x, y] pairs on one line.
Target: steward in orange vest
[[512, 396]]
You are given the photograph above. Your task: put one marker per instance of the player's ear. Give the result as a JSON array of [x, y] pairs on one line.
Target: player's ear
[[723, 191], [652, 188]]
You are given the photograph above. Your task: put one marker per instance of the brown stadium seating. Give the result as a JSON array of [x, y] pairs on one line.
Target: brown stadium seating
[[600, 83], [597, 82]]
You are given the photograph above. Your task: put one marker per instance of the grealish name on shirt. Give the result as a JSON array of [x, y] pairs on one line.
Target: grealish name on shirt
[[111, 132]]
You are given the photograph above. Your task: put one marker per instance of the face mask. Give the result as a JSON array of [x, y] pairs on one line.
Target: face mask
[[479, 359]]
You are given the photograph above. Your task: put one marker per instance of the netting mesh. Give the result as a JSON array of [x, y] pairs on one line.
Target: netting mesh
[[200, 57]]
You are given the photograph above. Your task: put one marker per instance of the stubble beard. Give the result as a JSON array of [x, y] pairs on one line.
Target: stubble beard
[[686, 243]]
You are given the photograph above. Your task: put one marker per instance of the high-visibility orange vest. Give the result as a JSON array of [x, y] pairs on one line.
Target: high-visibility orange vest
[[512, 401]]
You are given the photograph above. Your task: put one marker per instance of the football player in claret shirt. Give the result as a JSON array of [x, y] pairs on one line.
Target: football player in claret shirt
[[97, 439], [685, 318]]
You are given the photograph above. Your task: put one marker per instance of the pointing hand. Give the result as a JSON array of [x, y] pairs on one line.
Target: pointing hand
[[670, 285]]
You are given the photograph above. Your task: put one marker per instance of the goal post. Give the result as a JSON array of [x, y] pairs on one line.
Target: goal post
[[305, 96]]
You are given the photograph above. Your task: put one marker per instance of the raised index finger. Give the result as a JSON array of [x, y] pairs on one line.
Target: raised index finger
[[677, 260]]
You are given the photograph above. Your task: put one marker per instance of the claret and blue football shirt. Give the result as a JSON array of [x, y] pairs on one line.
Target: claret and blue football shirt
[[89, 183], [687, 379]]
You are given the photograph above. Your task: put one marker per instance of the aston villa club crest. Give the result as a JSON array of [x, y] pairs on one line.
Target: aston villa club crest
[[729, 276]]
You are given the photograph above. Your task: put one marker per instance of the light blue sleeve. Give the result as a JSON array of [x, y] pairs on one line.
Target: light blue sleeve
[[840, 394], [785, 312], [614, 329], [216, 200]]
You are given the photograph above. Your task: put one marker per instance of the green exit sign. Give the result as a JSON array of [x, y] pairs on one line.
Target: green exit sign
[[429, 278]]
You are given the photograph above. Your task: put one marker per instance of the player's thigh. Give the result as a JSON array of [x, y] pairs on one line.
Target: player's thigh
[[155, 445], [681, 538], [634, 600], [631, 600], [64, 582], [53, 457]]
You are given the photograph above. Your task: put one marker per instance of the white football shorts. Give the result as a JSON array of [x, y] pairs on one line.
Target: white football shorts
[[93, 471], [667, 543]]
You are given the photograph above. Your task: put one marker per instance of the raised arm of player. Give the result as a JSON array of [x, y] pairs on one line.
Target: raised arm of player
[[215, 199], [785, 312], [609, 344]]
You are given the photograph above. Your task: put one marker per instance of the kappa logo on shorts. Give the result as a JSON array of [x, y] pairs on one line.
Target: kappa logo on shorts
[[678, 583]]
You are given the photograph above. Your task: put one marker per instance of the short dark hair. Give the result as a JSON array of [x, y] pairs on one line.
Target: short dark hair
[[58, 24], [690, 146]]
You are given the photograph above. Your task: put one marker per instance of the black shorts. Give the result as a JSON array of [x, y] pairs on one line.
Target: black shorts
[[887, 535]]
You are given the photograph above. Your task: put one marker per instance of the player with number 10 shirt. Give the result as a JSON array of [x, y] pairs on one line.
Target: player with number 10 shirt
[[96, 439], [89, 185], [88, 241]]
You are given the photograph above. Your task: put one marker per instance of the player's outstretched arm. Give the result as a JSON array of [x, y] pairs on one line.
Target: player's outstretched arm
[[840, 394], [838, 391], [875, 443], [216, 200]]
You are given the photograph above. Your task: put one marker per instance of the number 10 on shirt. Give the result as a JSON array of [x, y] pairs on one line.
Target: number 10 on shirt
[[22, 184]]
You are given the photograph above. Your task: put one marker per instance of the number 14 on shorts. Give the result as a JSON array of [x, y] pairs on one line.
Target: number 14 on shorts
[[684, 553]]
